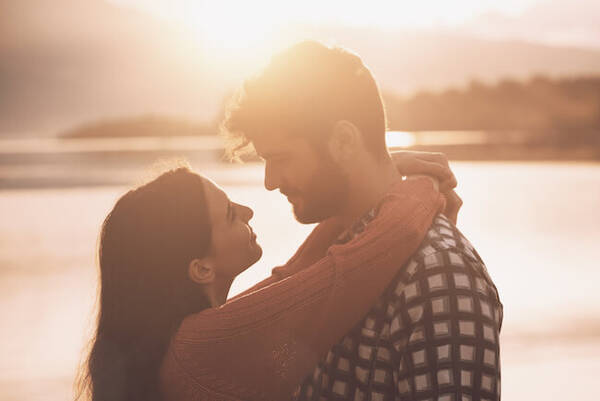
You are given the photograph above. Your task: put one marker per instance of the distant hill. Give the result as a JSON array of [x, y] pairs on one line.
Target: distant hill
[[561, 112], [150, 125], [536, 104], [66, 62]]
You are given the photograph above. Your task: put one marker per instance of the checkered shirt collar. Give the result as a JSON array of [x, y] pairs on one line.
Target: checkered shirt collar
[[358, 226]]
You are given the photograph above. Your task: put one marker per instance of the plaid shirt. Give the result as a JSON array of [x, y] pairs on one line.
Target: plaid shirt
[[433, 335]]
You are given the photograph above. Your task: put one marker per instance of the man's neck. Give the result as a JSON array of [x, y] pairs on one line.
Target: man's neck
[[368, 185]]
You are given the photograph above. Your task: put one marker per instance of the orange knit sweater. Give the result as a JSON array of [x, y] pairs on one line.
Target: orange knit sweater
[[260, 345]]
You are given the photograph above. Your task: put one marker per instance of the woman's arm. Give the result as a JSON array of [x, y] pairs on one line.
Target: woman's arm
[[260, 346], [408, 163]]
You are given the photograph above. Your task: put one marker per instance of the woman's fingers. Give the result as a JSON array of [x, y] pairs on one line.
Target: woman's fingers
[[449, 183], [425, 163], [434, 181], [435, 165], [409, 163], [453, 205]]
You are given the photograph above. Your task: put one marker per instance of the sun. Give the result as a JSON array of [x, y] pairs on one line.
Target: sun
[[241, 29]]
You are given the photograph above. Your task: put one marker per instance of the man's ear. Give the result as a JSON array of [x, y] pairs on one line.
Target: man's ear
[[201, 271], [345, 140]]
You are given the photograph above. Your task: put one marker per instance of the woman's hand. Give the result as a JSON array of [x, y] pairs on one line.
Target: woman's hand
[[433, 164], [426, 163], [453, 205]]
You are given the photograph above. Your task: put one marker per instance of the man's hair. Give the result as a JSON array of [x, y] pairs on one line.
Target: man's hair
[[304, 91]]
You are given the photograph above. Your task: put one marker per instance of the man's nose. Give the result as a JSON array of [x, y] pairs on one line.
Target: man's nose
[[247, 213], [271, 177]]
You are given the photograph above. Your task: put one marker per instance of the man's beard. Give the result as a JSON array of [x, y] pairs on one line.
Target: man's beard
[[325, 195]]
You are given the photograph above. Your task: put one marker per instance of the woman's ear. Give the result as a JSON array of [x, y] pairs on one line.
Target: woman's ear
[[344, 141], [201, 271]]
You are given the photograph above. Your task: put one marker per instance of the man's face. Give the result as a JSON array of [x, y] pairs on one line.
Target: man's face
[[313, 183]]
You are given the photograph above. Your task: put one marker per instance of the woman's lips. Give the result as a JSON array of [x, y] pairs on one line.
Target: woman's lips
[[252, 235]]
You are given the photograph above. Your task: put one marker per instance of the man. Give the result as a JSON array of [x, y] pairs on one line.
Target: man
[[316, 117]]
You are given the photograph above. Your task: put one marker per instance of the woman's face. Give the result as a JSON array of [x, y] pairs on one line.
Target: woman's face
[[233, 243]]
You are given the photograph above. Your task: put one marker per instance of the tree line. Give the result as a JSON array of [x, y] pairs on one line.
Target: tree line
[[551, 110]]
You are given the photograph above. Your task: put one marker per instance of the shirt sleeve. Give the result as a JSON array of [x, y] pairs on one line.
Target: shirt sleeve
[[260, 346], [446, 331]]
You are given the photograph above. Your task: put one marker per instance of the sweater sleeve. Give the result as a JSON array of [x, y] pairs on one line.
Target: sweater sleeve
[[260, 346]]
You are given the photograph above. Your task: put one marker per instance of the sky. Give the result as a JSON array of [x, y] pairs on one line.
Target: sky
[[381, 13], [238, 25]]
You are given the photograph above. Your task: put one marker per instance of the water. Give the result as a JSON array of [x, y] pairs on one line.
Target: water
[[536, 226]]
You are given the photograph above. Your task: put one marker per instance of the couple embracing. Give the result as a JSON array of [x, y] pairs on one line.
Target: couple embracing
[[384, 300]]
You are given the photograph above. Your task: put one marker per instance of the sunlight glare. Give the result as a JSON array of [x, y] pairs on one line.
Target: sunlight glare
[[248, 32], [244, 31], [399, 139]]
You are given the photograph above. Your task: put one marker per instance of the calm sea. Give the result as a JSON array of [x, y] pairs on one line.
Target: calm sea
[[537, 226]]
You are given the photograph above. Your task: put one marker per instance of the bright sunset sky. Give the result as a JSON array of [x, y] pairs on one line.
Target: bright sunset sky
[[238, 25], [381, 13]]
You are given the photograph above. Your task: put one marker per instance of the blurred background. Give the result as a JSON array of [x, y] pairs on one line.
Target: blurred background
[[94, 92]]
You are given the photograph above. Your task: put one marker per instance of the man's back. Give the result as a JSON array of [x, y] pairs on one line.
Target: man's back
[[433, 334]]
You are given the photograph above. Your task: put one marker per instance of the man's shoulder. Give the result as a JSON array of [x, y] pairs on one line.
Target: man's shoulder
[[446, 254], [443, 244], [444, 237]]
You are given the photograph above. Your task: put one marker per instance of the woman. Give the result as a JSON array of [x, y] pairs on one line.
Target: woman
[[168, 253]]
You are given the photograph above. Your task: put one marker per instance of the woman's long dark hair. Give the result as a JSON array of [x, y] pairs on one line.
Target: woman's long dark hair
[[146, 244]]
